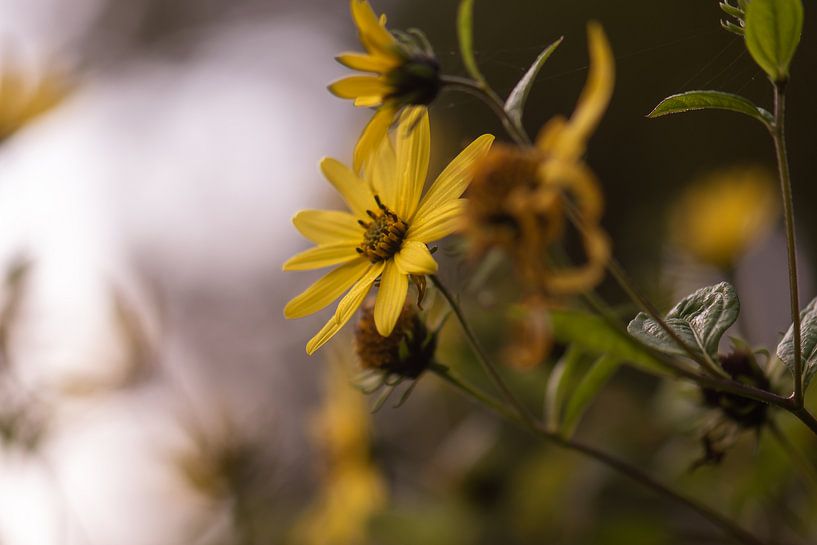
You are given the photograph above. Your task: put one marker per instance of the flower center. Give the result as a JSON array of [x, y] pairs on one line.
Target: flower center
[[384, 234]]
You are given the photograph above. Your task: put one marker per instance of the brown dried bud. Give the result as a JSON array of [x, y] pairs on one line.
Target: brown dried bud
[[742, 367], [407, 352]]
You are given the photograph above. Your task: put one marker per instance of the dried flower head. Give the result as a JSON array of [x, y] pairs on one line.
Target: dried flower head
[[521, 198], [742, 367], [406, 352]]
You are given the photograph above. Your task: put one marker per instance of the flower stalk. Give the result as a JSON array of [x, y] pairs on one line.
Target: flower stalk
[[778, 133], [620, 466]]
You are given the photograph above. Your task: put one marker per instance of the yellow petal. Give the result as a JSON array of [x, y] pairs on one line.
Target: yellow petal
[[366, 63], [413, 148], [346, 308], [355, 86], [372, 33], [322, 256], [327, 226], [390, 299], [584, 277], [594, 98], [375, 131], [452, 182], [414, 258], [381, 171], [354, 191], [437, 223], [368, 102], [327, 289]]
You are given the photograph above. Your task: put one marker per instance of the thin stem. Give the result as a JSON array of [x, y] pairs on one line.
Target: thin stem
[[451, 378], [640, 300], [622, 467], [482, 356], [795, 454], [487, 95], [623, 280], [778, 132]]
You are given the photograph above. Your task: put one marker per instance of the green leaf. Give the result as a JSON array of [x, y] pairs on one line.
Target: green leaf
[[699, 320], [773, 29], [465, 33], [808, 338], [710, 100], [596, 336], [515, 104], [562, 379], [587, 390]]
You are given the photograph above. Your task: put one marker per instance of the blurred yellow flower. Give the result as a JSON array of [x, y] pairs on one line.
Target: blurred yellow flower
[[406, 73], [386, 234], [353, 488], [518, 198], [722, 214], [23, 97]]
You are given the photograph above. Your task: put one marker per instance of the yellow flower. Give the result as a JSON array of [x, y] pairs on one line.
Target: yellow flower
[[721, 215], [386, 233], [405, 73], [353, 489], [23, 97]]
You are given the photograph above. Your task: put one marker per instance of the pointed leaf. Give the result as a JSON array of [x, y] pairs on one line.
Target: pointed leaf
[[773, 29], [587, 390], [515, 104], [699, 320], [710, 100], [808, 338], [598, 337], [465, 34], [562, 379]]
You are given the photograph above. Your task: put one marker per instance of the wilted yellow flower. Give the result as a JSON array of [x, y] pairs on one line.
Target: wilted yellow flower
[[722, 214], [405, 73], [353, 488], [386, 234], [518, 200]]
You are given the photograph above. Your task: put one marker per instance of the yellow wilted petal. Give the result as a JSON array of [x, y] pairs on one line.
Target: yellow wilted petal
[[356, 86], [594, 98], [326, 290], [390, 299], [354, 191], [452, 182], [582, 278], [415, 258], [578, 180], [322, 256], [346, 308], [413, 149], [437, 223], [373, 133], [327, 226]]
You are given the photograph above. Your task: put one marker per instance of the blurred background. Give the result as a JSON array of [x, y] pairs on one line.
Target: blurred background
[[152, 155]]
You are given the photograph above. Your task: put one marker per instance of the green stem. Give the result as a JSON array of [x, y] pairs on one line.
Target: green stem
[[795, 455], [482, 356], [489, 97], [622, 467], [778, 133]]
